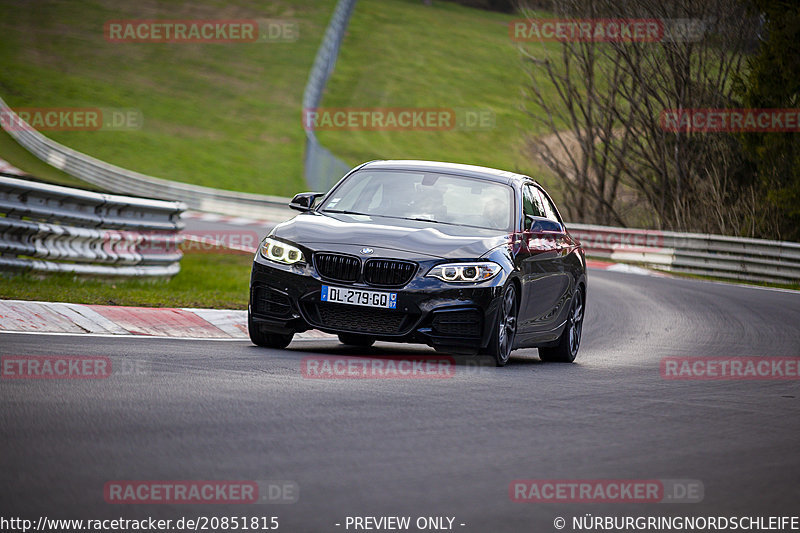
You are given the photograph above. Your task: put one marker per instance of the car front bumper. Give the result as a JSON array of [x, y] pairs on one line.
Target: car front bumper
[[454, 317]]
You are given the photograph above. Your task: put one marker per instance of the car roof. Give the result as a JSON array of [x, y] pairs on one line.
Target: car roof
[[492, 174]]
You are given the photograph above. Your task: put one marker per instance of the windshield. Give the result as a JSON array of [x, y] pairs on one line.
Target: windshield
[[438, 198]]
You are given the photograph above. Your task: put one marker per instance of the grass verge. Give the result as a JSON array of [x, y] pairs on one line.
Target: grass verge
[[206, 280]]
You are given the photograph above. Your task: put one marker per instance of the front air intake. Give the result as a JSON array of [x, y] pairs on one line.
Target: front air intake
[[388, 273], [337, 267]]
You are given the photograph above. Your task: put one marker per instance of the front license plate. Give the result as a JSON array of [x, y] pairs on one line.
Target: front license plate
[[385, 300]]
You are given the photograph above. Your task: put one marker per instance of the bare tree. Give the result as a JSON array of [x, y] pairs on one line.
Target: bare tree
[[570, 94], [607, 142]]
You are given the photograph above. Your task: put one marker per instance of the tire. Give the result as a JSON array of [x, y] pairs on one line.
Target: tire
[[267, 340], [501, 342], [352, 339], [570, 340]]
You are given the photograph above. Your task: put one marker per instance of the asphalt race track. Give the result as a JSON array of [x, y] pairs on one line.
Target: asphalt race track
[[217, 410]]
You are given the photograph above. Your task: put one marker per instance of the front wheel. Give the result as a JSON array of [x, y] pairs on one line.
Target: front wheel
[[570, 340], [505, 328], [267, 340]]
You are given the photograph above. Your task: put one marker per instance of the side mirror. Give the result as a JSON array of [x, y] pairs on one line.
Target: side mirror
[[542, 225], [305, 200]]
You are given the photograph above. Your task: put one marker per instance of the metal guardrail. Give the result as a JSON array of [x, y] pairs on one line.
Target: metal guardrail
[[736, 258], [49, 228], [120, 180], [321, 168]]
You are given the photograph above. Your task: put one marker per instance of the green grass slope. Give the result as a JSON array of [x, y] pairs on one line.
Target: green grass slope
[[401, 53], [220, 115]]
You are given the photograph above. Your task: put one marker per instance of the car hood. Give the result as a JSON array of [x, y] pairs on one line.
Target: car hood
[[382, 233]]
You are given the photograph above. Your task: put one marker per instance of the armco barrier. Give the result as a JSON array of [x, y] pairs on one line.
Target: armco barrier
[[694, 253], [114, 235], [120, 180], [323, 169], [50, 228]]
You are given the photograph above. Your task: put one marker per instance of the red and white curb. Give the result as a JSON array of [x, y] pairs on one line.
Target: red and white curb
[[49, 317], [275, 215], [622, 267]]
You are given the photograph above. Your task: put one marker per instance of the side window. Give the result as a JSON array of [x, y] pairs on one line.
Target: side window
[[549, 209], [531, 203]]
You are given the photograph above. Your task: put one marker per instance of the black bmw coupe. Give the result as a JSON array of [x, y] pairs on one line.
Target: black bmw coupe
[[466, 259]]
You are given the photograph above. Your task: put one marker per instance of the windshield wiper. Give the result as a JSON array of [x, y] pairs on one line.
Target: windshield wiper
[[416, 219], [344, 212], [420, 219]]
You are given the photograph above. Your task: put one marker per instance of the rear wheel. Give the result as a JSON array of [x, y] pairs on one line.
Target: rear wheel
[[267, 340], [570, 339], [505, 328], [352, 339]]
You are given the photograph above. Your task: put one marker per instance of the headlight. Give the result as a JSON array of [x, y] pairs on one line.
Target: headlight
[[465, 272], [280, 252]]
